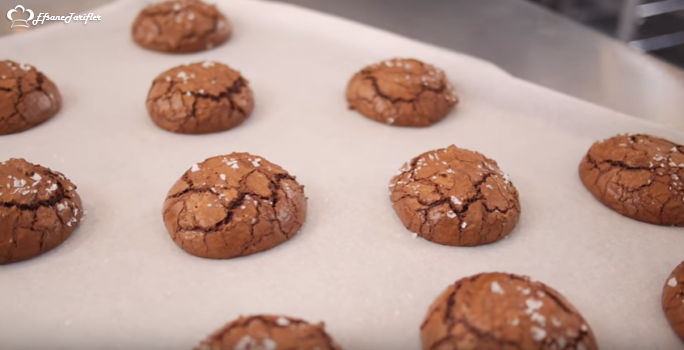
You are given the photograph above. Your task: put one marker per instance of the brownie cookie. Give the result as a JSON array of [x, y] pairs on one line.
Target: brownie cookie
[[402, 92], [503, 311], [180, 26], [265, 332], [199, 98], [234, 205], [639, 176], [39, 209], [27, 97], [454, 196], [673, 300]]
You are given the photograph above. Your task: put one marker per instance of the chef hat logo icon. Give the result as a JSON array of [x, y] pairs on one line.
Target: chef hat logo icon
[[19, 22]]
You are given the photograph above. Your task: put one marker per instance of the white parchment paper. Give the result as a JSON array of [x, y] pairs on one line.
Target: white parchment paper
[[120, 282]]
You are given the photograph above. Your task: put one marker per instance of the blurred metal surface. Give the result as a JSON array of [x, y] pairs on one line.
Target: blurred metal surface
[[523, 38]]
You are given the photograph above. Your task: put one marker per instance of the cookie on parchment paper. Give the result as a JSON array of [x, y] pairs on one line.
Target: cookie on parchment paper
[[39, 209], [504, 311], [639, 176], [401, 92], [181, 26], [673, 300], [270, 332], [27, 97], [455, 196], [200, 98], [234, 205]]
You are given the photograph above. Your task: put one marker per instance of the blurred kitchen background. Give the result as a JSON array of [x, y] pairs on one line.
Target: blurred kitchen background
[[626, 55], [655, 26]]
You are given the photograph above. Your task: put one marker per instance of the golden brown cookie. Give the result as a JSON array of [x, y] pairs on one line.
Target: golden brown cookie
[[199, 98], [180, 26], [234, 205], [27, 97], [454, 196], [264, 332], [639, 176], [39, 209], [673, 300], [503, 311], [401, 92]]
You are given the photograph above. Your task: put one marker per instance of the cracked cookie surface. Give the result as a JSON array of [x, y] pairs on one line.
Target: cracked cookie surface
[[454, 196], [234, 205], [504, 311], [27, 97], [181, 26], [39, 209], [401, 92], [199, 98], [271, 333], [673, 300], [639, 176]]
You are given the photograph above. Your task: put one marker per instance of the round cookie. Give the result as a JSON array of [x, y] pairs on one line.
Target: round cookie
[[401, 92], [181, 26], [27, 97], [234, 205], [270, 332], [456, 197], [673, 300], [639, 176], [503, 311], [39, 209], [199, 98]]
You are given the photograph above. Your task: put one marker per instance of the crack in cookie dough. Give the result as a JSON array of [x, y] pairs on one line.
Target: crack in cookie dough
[[639, 176], [455, 196], [402, 92], [234, 205], [27, 97], [270, 332], [39, 209], [181, 26], [199, 98], [504, 311]]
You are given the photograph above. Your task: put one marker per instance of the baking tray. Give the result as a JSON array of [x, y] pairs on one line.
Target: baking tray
[[121, 283]]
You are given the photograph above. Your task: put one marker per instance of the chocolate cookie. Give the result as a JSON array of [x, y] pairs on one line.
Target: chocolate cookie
[[639, 176], [454, 196], [181, 26], [199, 98], [234, 205], [503, 311], [39, 209], [27, 97], [265, 332], [673, 300], [401, 92]]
